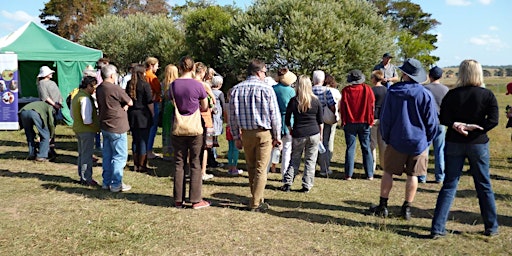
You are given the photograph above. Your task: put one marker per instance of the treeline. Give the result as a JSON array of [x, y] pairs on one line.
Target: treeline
[[304, 35]]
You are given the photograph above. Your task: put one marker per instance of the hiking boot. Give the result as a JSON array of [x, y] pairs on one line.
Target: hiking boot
[[285, 188], [304, 190], [263, 207], [379, 210], [406, 212]]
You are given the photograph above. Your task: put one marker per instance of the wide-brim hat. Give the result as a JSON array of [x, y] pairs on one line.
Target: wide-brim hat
[[44, 71], [414, 69], [355, 76], [270, 81], [288, 78]]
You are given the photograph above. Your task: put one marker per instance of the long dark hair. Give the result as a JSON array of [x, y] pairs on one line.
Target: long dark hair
[[137, 74]]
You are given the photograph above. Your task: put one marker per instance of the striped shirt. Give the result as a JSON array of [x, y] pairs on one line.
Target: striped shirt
[[253, 105]]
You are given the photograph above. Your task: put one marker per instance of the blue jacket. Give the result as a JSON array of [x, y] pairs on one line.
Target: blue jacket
[[408, 120]]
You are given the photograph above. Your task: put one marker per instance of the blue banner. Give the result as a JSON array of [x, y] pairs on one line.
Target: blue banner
[[9, 87]]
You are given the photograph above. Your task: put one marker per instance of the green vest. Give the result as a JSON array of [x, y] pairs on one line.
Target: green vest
[[78, 123]]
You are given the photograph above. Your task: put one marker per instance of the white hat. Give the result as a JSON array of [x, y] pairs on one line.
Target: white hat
[[44, 71], [270, 81]]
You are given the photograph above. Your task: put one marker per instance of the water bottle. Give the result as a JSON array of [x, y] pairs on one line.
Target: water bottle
[[321, 148], [276, 154]]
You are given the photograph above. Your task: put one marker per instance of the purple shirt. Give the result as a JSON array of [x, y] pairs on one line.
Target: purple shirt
[[187, 92]]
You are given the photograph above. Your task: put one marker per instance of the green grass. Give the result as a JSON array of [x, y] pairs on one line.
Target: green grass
[[44, 212]]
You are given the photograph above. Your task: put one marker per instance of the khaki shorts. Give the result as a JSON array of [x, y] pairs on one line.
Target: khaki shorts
[[398, 163]]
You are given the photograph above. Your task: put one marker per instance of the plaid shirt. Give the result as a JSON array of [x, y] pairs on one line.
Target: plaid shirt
[[253, 105], [324, 95]]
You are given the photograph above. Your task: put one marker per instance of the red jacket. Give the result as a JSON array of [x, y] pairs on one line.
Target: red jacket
[[357, 104]]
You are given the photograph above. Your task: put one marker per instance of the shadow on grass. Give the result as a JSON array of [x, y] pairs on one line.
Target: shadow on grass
[[39, 176], [227, 200], [98, 193]]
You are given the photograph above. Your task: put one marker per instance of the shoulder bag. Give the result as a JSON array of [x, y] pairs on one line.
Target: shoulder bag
[[186, 125], [328, 116]]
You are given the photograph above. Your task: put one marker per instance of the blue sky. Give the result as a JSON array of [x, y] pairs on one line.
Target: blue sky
[[476, 29]]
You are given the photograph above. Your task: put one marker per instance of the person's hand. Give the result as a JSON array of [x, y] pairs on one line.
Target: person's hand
[[125, 107], [464, 128], [238, 143], [277, 143], [57, 106]]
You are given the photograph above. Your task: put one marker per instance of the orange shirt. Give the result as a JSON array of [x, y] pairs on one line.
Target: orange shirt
[[156, 87]]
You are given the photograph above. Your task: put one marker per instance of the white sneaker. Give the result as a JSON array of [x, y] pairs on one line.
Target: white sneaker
[[122, 188], [207, 176]]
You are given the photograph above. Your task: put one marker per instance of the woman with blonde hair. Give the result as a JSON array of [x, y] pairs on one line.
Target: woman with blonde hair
[[306, 134], [170, 74], [470, 111]]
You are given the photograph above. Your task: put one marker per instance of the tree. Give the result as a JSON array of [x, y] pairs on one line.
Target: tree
[[67, 18], [508, 71], [412, 25], [331, 35], [133, 38], [204, 28], [487, 73], [127, 7]]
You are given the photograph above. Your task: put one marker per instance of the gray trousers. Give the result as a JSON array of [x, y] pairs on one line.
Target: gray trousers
[[310, 147], [324, 160], [85, 141]]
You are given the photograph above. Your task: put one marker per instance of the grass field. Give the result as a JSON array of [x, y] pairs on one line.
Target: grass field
[[43, 211]]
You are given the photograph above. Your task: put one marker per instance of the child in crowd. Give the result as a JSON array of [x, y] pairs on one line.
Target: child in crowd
[[232, 150]]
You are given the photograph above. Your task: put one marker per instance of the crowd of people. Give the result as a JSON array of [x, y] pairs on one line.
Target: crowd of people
[[288, 115]]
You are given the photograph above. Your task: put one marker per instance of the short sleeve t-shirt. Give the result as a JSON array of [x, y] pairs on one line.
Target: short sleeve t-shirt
[[187, 93], [49, 89], [111, 100]]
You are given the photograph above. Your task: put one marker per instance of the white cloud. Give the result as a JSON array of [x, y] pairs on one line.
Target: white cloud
[[491, 42], [19, 16], [458, 2], [485, 2], [493, 28]]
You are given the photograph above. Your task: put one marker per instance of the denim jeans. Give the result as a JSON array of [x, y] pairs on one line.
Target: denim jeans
[[310, 147], [363, 132], [115, 154], [478, 157], [324, 160], [438, 144], [85, 143], [154, 127], [29, 119]]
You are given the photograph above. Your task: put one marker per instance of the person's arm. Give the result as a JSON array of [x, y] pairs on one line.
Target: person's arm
[[203, 104], [288, 115], [86, 111]]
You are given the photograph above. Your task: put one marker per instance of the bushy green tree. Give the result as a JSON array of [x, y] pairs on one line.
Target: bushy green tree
[[133, 38], [331, 35], [412, 27], [204, 28]]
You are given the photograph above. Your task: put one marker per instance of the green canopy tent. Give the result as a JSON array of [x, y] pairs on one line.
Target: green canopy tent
[[35, 47]]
